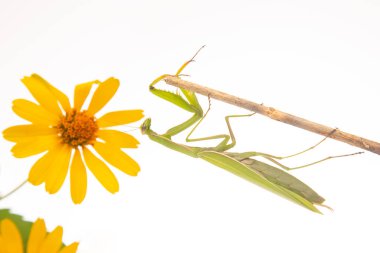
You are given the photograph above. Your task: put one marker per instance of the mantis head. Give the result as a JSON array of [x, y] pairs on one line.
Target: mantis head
[[145, 126]]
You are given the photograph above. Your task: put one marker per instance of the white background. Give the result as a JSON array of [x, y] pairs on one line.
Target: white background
[[315, 59]]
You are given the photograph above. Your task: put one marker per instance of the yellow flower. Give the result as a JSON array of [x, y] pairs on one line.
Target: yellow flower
[[39, 240], [69, 134]]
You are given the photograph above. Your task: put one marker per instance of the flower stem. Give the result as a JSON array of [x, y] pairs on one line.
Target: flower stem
[[14, 190]]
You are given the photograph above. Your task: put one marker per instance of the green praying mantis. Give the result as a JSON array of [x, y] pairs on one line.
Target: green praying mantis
[[243, 165]]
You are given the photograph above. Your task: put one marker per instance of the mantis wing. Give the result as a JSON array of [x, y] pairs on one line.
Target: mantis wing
[[280, 177], [245, 171]]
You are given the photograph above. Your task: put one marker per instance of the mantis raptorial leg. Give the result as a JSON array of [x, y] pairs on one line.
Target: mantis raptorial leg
[[189, 103]]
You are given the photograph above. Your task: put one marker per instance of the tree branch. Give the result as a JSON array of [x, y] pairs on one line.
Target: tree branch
[[277, 115]]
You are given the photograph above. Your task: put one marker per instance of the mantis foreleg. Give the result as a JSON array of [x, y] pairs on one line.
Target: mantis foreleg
[[189, 103]]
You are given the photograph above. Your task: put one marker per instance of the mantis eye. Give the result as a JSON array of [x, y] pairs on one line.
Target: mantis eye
[[145, 126]]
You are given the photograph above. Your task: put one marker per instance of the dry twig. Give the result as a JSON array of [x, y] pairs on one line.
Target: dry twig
[[277, 115]]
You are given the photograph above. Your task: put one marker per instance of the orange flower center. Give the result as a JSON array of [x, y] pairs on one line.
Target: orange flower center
[[77, 128]]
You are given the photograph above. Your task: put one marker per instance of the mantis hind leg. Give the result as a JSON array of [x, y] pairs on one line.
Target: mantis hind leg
[[275, 159]]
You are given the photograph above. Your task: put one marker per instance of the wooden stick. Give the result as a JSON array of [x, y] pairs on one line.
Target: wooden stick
[[277, 115]]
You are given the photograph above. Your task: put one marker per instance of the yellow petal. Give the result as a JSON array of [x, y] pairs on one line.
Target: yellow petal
[[78, 178], [102, 95], [81, 93], [101, 171], [53, 241], [33, 146], [72, 248], [119, 118], [37, 87], [40, 169], [3, 246], [22, 133], [33, 112], [61, 97], [11, 236], [57, 173], [37, 236], [117, 158], [118, 138]]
